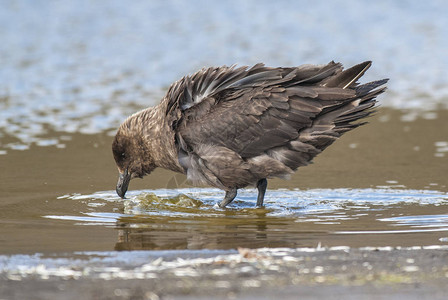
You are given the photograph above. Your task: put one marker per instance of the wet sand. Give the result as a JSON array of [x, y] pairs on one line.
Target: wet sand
[[267, 273]]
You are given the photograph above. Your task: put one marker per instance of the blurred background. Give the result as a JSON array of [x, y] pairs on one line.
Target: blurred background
[[72, 71], [83, 66]]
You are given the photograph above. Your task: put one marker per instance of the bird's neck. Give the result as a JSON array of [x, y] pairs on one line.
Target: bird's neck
[[159, 138]]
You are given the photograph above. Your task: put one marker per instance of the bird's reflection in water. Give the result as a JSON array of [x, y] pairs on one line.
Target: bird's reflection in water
[[226, 232]]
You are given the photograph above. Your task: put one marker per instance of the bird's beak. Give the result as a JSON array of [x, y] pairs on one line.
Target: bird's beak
[[123, 183]]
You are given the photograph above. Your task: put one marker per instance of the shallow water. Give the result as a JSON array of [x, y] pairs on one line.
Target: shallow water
[[187, 218], [72, 72], [381, 185]]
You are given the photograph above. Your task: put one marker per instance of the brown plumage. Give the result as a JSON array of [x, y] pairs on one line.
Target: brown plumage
[[232, 127]]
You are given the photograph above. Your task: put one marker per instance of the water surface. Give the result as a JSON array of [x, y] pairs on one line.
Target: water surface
[[188, 219]]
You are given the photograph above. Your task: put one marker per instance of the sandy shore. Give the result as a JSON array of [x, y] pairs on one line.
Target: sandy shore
[[306, 273]]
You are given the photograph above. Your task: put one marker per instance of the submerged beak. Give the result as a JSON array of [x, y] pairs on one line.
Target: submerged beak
[[123, 183]]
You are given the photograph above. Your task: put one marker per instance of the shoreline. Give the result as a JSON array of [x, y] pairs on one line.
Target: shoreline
[[368, 272]]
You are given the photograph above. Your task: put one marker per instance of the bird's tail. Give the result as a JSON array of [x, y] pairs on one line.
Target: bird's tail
[[360, 108], [337, 119], [348, 112]]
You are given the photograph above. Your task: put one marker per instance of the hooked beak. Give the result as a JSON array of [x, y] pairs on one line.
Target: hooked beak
[[123, 183]]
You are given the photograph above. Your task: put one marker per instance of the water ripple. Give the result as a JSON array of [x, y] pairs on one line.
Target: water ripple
[[187, 218]]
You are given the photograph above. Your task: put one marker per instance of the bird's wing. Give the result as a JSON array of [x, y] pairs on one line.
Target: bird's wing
[[255, 111], [216, 81]]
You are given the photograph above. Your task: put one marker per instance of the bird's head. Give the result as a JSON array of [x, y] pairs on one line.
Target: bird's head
[[131, 154]]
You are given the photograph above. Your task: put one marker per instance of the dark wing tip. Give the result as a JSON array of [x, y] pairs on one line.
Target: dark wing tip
[[364, 89], [348, 77]]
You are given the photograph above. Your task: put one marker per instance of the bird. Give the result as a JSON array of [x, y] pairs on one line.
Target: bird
[[231, 127]]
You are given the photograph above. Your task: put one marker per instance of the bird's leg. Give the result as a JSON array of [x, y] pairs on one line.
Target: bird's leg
[[261, 186], [230, 195]]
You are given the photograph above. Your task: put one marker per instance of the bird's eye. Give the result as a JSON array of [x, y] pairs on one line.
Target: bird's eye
[[123, 155]]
